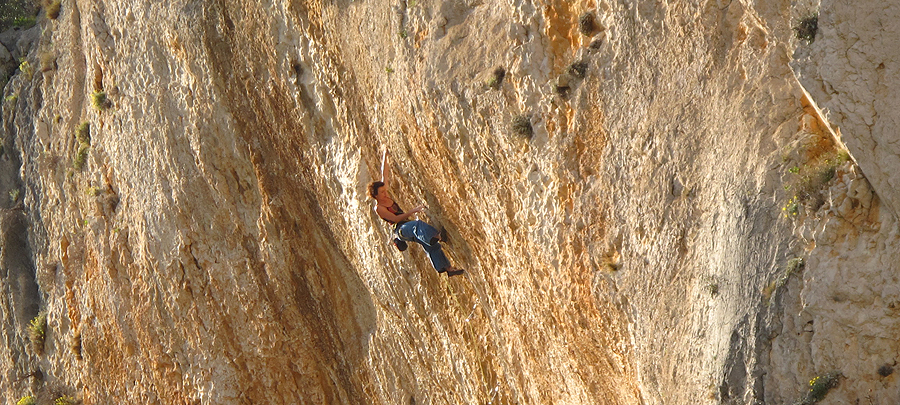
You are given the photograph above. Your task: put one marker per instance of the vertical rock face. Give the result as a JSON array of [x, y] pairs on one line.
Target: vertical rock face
[[839, 315], [623, 198], [854, 76]]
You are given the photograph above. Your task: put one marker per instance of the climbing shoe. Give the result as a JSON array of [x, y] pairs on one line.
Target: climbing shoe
[[452, 271], [400, 244]]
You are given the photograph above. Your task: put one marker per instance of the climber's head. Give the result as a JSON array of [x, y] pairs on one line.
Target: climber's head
[[374, 188]]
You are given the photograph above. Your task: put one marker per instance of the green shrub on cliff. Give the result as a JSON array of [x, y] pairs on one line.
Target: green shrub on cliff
[[25, 22], [37, 332], [65, 400], [48, 61], [83, 133], [805, 183], [26, 69], [807, 27], [793, 266], [815, 176], [26, 400], [819, 388], [496, 78], [586, 24], [521, 125], [100, 101], [81, 156], [51, 8], [578, 69]]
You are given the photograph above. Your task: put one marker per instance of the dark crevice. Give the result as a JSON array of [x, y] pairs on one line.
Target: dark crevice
[[17, 270], [16, 266]]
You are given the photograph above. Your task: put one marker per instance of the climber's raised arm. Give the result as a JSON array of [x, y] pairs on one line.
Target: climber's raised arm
[[385, 169]]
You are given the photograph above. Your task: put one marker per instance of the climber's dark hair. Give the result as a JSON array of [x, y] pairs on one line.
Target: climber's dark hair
[[373, 188]]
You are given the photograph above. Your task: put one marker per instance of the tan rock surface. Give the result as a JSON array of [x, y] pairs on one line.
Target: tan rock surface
[[838, 314], [853, 74], [216, 247]]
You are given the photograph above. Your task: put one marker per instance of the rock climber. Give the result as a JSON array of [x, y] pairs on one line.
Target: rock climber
[[409, 230]]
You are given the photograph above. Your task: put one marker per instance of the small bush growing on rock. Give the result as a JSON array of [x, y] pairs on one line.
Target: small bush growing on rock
[[51, 8], [83, 133], [48, 61], [496, 78], [807, 27], [885, 370], [521, 125], [563, 86], [37, 332], [25, 22], [578, 69], [12, 98], [793, 266], [814, 177], [26, 400], [26, 69], [65, 400], [586, 24], [81, 156], [100, 101], [821, 385], [807, 181], [791, 208]]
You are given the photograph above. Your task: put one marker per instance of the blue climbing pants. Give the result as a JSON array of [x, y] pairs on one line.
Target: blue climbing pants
[[422, 233]]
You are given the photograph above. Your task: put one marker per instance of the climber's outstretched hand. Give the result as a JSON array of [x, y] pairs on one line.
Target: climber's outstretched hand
[[385, 168]]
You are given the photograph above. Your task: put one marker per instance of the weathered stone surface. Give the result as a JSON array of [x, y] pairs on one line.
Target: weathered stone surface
[[18, 42], [213, 243], [7, 62], [839, 313], [855, 75], [5, 56]]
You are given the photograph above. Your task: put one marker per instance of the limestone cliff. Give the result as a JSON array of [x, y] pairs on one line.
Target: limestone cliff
[[649, 205]]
